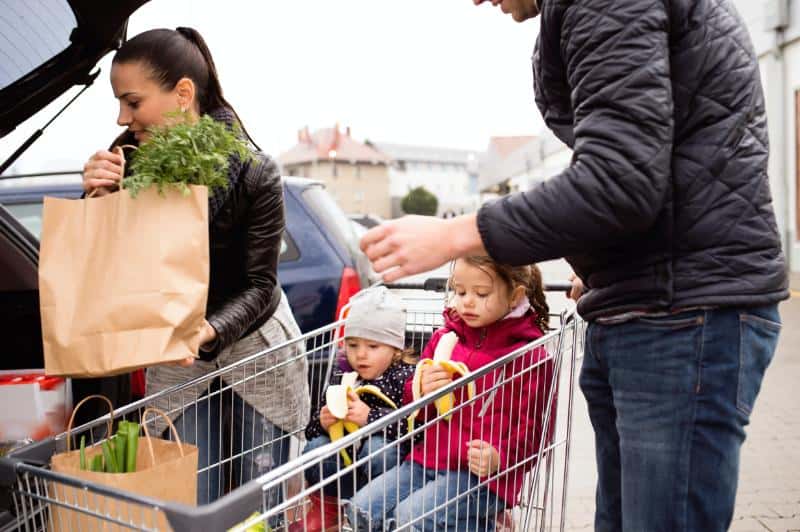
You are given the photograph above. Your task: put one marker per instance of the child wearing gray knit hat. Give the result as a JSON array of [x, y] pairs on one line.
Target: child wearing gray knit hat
[[377, 314], [374, 341]]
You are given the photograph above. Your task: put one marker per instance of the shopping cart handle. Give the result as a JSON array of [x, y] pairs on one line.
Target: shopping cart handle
[[439, 284]]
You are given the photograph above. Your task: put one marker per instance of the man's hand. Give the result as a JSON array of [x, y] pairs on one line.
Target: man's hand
[[357, 410], [483, 458], [577, 287], [414, 244]]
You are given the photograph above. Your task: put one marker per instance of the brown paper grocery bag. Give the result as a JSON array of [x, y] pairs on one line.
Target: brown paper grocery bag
[[123, 282], [165, 471]]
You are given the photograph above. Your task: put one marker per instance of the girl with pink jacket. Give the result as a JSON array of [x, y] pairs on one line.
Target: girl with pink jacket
[[479, 456]]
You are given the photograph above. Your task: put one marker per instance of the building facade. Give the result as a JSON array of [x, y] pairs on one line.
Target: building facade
[[450, 174], [774, 26], [515, 164], [355, 174]]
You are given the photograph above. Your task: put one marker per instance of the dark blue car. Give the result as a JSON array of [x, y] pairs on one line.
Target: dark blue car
[[320, 263]]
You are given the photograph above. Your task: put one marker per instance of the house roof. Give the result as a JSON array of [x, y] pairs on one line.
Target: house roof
[[414, 153], [527, 155], [330, 144], [505, 146]]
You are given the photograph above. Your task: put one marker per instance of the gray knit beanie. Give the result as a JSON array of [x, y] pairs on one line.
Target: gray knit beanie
[[378, 315]]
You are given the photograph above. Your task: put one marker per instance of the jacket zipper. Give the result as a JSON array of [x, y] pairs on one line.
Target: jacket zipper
[[481, 339]]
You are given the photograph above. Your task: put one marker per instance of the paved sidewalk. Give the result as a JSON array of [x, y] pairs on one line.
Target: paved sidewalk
[[769, 487]]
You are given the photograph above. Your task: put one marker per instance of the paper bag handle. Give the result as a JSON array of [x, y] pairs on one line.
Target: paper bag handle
[[155, 410], [75, 411]]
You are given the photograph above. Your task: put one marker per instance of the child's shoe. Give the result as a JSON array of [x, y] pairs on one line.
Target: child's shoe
[[323, 510]]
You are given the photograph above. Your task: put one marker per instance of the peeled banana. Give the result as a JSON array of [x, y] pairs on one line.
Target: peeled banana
[[441, 358], [336, 399]]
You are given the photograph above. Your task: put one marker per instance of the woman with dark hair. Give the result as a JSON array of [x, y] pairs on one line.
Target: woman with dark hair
[[153, 74]]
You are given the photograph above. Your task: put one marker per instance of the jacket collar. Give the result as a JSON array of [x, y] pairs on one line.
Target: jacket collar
[[503, 333]]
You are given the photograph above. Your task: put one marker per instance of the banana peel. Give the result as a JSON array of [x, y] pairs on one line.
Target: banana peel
[[337, 401], [441, 358]]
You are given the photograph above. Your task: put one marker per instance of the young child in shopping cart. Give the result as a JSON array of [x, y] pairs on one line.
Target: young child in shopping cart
[[471, 463], [374, 348]]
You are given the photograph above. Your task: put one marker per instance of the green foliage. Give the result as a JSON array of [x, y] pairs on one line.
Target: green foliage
[[420, 201], [183, 154]]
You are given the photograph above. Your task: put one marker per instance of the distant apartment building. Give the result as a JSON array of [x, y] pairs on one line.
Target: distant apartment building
[[514, 164], [356, 174], [450, 174]]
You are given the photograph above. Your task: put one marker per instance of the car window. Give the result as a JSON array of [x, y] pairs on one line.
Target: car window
[[331, 215], [34, 32], [289, 251], [29, 215]]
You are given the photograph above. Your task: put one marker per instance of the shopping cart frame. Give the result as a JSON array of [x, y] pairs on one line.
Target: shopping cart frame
[[32, 461]]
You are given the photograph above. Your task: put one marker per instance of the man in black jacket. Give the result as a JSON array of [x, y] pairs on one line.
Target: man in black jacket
[[665, 215]]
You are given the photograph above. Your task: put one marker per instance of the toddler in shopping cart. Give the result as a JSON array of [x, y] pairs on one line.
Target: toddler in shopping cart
[[374, 348], [471, 463]]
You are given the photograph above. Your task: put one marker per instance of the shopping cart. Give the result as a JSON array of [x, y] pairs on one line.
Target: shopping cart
[[279, 497]]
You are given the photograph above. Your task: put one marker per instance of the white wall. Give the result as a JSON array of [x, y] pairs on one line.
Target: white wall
[[779, 61], [448, 183]]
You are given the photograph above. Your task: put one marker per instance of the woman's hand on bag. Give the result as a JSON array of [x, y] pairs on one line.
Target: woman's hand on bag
[[433, 378], [326, 419], [357, 410], [208, 334], [103, 172], [483, 458]]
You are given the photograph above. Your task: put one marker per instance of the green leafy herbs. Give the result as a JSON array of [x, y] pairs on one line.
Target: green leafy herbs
[[183, 154]]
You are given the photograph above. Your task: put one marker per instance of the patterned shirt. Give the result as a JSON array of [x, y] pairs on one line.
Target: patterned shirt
[[392, 383]]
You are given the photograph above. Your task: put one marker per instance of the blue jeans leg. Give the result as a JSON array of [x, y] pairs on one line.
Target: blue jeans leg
[[449, 500], [200, 425], [259, 445], [669, 398], [374, 457], [324, 469], [374, 504]]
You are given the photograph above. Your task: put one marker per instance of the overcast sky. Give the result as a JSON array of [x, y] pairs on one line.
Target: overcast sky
[[430, 72]]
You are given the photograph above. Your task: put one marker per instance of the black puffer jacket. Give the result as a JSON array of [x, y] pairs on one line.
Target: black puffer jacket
[[666, 204]]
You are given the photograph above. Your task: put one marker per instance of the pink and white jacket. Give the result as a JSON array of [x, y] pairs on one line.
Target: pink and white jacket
[[510, 418]]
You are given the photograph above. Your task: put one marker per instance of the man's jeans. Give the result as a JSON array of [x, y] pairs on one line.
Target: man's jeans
[[379, 457], [224, 426], [424, 498], [669, 398]]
